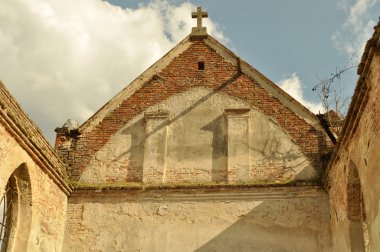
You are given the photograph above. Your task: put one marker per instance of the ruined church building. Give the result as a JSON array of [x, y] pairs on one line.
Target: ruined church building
[[201, 152]]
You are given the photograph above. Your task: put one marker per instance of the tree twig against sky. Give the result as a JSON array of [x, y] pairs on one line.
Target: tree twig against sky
[[334, 101]]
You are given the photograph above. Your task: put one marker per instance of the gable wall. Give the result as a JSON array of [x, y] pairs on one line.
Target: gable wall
[[191, 126], [180, 75], [194, 143]]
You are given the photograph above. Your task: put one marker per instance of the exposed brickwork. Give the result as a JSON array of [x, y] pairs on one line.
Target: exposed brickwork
[[363, 131], [74, 221], [63, 145], [352, 178], [48, 202], [30, 138], [51, 204], [182, 74], [24, 152], [96, 216]]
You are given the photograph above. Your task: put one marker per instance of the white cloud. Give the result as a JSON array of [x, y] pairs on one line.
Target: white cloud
[[65, 59], [293, 86], [357, 28]]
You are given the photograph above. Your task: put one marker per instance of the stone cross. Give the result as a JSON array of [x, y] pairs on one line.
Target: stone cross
[[199, 14], [199, 31]]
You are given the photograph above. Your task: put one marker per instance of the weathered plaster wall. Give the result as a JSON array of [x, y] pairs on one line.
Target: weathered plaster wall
[[359, 152], [48, 203], [282, 219], [190, 138], [169, 79], [185, 127]]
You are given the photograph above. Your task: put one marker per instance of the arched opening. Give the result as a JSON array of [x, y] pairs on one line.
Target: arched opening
[[6, 219], [16, 211], [358, 227]]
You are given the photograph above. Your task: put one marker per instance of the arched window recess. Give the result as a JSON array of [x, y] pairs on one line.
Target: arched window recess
[[16, 212], [6, 216]]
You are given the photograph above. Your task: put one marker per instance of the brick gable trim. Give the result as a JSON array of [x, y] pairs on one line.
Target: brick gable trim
[[30, 138], [359, 99], [264, 82], [179, 75], [242, 66], [135, 85]]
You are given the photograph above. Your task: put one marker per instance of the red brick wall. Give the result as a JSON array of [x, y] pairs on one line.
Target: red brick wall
[[358, 151], [48, 202], [181, 74]]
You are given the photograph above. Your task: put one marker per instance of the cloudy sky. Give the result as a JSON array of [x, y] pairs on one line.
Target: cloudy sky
[[65, 59]]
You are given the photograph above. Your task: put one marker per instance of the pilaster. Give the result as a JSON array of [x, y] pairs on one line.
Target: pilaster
[[238, 145], [155, 147]]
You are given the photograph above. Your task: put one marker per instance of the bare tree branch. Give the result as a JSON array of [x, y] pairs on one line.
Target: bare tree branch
[[334, 100]]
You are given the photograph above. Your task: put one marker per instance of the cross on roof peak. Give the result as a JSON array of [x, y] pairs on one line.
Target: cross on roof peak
[[199, 14], [199, 31]]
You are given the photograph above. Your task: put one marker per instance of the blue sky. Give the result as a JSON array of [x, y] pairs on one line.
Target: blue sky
[[65, 59], [284, 37]]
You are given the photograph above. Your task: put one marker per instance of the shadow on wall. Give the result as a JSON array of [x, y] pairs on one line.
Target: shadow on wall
[[136, 151], [218, 128], [268, 228], [323, 154], [273, 151], [137, 140], [358, 227], [300, 224]]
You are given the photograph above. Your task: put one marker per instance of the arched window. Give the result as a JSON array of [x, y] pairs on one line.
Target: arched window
[[6, 218], [16, 212], [356, 211]]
